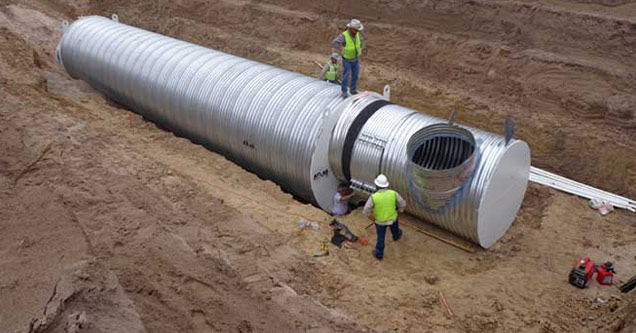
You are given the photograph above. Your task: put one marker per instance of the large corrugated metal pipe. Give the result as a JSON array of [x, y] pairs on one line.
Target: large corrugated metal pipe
[[298, 132]]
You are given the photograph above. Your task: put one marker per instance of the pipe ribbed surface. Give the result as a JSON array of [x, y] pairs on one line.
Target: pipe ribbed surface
[[262, 117], [298, 132]]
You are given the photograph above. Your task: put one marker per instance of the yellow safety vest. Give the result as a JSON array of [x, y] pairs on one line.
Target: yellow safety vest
[[351, 50], [332, 72], [384, 205]]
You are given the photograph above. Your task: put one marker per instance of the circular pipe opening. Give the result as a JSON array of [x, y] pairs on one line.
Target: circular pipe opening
[[441, 147], [443, 152], [441, 160]]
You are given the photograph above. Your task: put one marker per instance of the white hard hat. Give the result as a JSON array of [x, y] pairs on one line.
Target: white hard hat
[[355, 24], [335, 56], [381, 181]]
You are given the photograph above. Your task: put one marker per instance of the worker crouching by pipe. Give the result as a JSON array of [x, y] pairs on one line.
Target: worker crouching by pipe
[[382, 207], [330, 70]]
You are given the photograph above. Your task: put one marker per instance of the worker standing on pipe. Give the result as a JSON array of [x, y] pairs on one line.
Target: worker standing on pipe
[[349, 44], [385, 204], [330, 70]]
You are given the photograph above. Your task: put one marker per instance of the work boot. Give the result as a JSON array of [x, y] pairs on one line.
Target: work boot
[[354, 92], [344, 95], [398, 237], [376, 255]]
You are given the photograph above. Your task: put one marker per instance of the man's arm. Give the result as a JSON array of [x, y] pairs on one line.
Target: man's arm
[[323, 71], [338, 43], [347, 197], [401, 204], [368, 207]]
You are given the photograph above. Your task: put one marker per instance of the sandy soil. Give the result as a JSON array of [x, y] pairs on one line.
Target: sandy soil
[[110, 224]]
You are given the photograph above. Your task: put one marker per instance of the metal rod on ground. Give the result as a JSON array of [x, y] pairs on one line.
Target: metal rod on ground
[[447, 241], [448, 309]]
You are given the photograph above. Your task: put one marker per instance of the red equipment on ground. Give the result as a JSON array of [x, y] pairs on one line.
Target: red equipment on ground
[[582, 273], [605, 274]]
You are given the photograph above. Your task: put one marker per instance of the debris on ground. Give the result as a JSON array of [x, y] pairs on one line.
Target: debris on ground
[[341, 233], [302, 224], [603, 207]]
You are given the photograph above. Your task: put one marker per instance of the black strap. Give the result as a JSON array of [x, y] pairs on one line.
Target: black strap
[[354, 131]]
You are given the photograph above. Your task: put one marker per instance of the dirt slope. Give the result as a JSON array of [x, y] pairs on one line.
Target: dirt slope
[[108, 223]]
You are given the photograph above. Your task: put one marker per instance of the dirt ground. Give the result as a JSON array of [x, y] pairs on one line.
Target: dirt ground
[[110, 224]]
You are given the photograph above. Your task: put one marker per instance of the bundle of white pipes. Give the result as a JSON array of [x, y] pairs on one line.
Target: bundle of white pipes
[[570, 186]]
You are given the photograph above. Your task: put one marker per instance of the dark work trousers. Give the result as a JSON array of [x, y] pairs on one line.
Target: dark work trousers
[[381, 231]]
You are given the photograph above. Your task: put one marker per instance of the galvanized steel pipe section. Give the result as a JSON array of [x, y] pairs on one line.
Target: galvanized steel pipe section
[[470, 211], [262, 117], [278, 124]]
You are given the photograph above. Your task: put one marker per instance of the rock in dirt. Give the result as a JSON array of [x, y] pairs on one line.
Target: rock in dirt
[[431, 278], [244, 327], [621, 111], [76, 322]]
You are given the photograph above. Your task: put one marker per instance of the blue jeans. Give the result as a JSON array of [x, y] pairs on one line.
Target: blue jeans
[[350, 66], [381, 231]]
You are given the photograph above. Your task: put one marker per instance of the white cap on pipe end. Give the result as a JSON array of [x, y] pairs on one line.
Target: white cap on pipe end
[[504, 193]]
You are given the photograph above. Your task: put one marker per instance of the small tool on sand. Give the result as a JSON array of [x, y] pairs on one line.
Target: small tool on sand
[[323, 250]]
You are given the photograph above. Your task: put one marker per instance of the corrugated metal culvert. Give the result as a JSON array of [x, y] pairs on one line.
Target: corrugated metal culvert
[[298, 132]]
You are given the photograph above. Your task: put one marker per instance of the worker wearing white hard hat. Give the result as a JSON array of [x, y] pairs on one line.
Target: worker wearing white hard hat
[[383, 207], [349, 44], [331, 68]]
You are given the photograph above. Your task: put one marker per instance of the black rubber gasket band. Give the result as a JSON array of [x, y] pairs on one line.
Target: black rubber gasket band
[[354, 131]]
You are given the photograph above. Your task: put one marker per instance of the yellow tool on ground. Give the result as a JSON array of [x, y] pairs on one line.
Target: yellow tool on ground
[[323, 250]]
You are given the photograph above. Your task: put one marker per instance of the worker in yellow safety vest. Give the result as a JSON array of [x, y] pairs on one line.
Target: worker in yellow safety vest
[[330, 69], [385, 205], [349, 44]]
